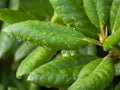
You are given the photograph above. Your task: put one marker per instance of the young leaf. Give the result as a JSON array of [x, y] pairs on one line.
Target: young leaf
[[94, 76], [13, 16], [23, 51], [56, 19], [50, 73], [112, 40], [47, 34], [97, 11], [114, 15], [94, 41], [39, 8], [36, 58]]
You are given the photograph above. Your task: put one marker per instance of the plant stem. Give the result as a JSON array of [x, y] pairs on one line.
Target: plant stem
[[102, 35], [102, 31], [109, 54]]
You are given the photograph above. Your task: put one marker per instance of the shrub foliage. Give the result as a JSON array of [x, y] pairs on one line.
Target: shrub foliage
[[60, 44]]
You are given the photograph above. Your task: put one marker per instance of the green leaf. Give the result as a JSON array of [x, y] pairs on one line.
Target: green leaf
[[87, 31], [91, 49], [57, 78], [94, 41], [112, 40], [3, 3], [97, 11], [117, 22], [59, 72], [14, 5], [115, 15], [12, 88], [13, 16], [72, 13], [36, 58], [110, 2], [47, 34], [94, 76], [117, 86], [117, 68], [39, 8], [8, 46], [63, 88], [23, 51], [33, 86]]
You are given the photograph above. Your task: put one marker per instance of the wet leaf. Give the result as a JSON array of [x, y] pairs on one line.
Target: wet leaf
[[47, 34], [96, 75]]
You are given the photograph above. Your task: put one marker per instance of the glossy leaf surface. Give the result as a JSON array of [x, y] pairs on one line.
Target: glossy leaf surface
[[39, 8], [13, 16], [59, 78], [97, 11], [112, 40], [36, 58], [94, 76], [114, 15], [59, 70], [72, 13], [47, 34]]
